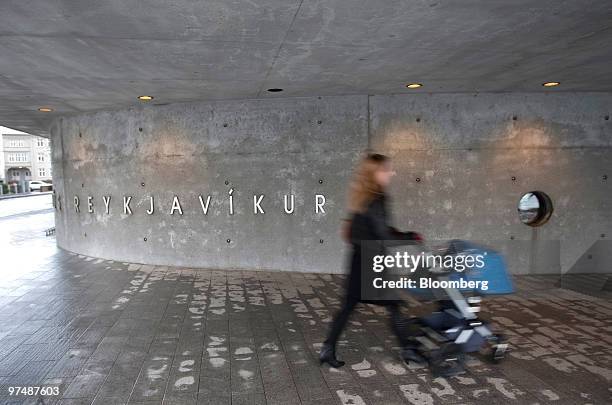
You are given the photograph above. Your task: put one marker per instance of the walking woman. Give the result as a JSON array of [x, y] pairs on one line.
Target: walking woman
[[367, 206]]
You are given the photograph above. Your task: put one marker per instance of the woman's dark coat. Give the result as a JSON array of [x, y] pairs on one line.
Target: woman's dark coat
[[370, 234]]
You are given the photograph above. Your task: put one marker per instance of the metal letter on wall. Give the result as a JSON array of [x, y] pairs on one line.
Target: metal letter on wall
[[176, 206], [106, 200], [231, 201], [126, 205], [151, 209], [287, 209], [256, 204], [204, 206], [319, 203]]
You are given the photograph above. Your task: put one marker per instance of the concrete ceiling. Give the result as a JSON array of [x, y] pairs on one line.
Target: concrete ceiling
[[78, 55]]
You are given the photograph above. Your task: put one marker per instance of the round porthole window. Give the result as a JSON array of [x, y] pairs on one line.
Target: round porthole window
[[535, 208]]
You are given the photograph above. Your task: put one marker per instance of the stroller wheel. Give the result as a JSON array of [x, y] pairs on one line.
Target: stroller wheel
[[499, 348], [447, 361], [498, 352]]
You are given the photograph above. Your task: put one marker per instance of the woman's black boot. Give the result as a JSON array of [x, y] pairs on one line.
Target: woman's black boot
[[328, 355]]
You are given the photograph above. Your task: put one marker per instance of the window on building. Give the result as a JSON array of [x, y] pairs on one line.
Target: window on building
[[16, 174], [17, 157], [41, 157], [40, 142], [17, 143], [42, 172]]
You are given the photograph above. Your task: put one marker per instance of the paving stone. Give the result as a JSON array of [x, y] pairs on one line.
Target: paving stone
[[152, 379], [70, 364], [248, 399], [85, 386], [206, 399], [181, 398], [113, 333]]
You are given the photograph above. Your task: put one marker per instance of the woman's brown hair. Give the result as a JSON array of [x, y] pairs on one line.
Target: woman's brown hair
[[364, 187]]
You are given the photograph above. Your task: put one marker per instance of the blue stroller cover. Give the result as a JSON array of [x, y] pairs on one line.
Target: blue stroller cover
[[494, 271]]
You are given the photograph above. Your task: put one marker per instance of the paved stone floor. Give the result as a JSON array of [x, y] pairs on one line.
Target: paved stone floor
[[113, 333]]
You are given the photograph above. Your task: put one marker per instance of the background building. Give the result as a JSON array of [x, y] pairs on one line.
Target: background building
[[1, 161], [24, 157]]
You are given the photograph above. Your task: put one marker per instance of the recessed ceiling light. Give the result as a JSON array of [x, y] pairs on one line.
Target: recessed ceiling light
[[550, 84], [414, 85], [275, 90], [145, 98], [45, 109]]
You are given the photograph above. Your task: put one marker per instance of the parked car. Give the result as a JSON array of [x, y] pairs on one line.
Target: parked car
[[36, 185]]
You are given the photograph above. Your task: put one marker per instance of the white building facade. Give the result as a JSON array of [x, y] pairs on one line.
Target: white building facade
[[25, 157], [2, 180]]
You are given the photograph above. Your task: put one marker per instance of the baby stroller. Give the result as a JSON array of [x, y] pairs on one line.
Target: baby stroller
[[454, 328]]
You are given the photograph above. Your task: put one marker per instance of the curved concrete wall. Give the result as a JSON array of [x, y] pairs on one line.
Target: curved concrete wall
[[463, 162]]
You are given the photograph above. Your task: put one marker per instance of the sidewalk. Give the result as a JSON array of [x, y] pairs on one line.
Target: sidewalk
[[24, 204], [22, 195], [115, 333]]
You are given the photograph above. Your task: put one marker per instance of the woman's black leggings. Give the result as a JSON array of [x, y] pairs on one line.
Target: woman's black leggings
[[342, 317]]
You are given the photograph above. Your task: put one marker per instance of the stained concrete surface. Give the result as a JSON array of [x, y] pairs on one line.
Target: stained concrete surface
[[108, 332], [82, 56], [462, 161]]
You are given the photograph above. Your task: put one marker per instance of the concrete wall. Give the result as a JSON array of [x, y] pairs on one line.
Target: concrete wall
[[464, 150], [297, 146]]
